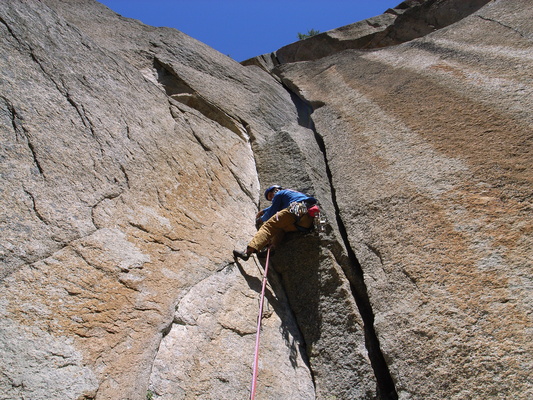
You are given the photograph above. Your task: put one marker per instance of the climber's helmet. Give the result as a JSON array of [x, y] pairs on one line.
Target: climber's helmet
[[274, 188]]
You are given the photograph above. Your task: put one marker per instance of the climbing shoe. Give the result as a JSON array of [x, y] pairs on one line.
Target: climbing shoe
[[240, 254]]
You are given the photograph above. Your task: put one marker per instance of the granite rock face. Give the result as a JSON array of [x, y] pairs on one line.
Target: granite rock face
[[428, 144], [409, 20], [123, 187], [132, 162]]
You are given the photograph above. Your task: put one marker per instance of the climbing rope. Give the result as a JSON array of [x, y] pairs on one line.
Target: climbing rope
[[259, 318]]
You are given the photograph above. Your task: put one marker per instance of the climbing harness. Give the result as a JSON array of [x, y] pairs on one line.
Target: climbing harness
[[259, 318], [299, 209]]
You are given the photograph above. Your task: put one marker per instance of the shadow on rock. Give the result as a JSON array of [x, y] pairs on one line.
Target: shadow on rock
[[277, 300]]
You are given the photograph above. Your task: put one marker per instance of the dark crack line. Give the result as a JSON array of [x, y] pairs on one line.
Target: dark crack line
[[386, 389], [502, 24], [34, 155], [34, 207], [126, 176], [385, 384], [80, 110], [61, 88], [19, 129], [63, 91]]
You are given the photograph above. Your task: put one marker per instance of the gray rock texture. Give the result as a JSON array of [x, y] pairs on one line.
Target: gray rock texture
[[123, 188], [428, 145], [409, 20], [132, 163]]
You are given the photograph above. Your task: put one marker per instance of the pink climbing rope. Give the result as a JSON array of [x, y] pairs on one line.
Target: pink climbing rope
[[259, 318]]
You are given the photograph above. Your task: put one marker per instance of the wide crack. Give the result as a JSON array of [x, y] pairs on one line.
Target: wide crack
[[386, 389]]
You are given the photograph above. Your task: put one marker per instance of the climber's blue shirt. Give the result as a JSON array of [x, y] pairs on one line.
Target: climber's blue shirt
[[282, 200]]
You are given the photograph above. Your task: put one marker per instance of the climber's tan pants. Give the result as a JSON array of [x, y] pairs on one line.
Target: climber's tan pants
[[272, 231]]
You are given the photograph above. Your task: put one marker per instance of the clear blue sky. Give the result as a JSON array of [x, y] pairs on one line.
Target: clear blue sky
[[247, 28]]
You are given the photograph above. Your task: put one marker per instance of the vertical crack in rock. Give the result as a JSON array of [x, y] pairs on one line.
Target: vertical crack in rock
[[385, 383], [52, 77], [18, 127], [35, 209], [386, 389]]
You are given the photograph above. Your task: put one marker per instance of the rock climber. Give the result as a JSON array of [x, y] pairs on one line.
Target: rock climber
[[290, 211]]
